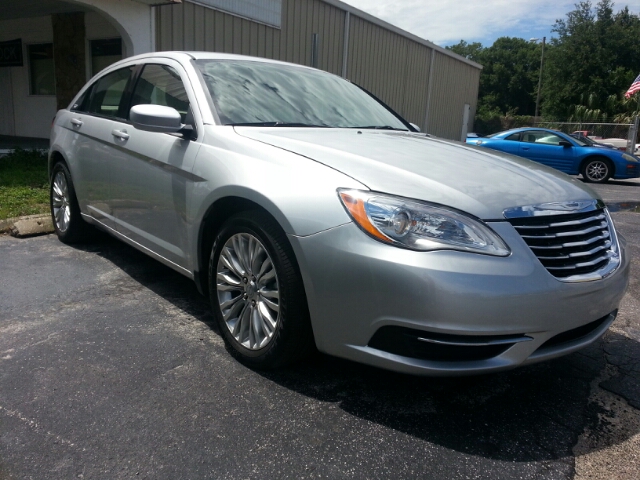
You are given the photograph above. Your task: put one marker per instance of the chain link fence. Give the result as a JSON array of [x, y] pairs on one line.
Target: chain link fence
[[622, 136]]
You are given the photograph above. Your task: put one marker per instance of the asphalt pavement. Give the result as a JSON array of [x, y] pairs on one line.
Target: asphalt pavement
[[111, 367]]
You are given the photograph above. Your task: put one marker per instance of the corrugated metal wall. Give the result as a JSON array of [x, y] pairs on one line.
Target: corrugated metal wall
[[393, 67], [454, 84], [188, 26]]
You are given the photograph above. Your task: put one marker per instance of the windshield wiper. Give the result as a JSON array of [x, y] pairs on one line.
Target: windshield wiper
[[381, 127], [274, 124]]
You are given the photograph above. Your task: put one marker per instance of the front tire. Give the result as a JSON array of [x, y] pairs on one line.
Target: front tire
[[256, 293], [65, 212], [597, 170]]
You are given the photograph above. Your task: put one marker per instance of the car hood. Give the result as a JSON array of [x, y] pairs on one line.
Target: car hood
[[476, 180]]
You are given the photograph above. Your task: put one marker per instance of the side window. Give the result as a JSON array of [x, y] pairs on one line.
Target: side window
[[161, 85], [82, 104], [544, 138], [549, 139], [531, 137], [107, 93], [514, 137]]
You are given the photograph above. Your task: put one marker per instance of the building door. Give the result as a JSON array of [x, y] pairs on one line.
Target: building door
[[7, 126]]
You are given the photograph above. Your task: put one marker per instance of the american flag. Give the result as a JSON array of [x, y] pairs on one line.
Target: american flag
[[635, 86]]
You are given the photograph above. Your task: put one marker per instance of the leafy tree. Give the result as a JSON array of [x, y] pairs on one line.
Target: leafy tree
[[595, 57], [472, 51], [510, 76], [509, 79]]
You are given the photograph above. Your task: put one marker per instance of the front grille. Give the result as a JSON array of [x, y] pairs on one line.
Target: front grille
[[569, 244]]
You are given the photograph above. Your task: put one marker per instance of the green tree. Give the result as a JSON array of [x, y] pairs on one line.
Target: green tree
[[472, 51], [509, 77], [595, 57]]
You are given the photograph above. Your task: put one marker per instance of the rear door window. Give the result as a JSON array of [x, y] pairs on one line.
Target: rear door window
[[108, 93]]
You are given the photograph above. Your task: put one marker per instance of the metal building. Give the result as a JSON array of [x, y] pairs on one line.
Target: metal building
[[430, 86]]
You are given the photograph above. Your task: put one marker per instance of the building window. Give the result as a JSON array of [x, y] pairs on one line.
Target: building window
[[104, 53], [41, 69], [268, 12]]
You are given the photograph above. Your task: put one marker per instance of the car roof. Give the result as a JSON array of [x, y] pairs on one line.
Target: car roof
[[195, 55], [524, 129]]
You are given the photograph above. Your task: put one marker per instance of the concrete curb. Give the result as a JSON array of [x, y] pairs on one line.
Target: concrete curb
[[27, 226]]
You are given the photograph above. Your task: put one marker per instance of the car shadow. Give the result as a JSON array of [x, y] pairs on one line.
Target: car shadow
[[532, 414], [623, 183]]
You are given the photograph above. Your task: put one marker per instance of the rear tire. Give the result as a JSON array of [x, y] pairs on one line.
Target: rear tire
[[596, 170], [256, 293], [65, 212]]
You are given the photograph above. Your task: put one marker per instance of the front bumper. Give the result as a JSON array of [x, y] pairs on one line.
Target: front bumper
[[356, 286], [630, 170]]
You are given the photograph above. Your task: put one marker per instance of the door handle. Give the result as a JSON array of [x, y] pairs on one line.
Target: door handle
[[76, 122], [121, 134]]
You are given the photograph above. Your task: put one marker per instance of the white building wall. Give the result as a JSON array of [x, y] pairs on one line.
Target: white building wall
[[133, 20], [32, 114], [22, 114], [97, 28]]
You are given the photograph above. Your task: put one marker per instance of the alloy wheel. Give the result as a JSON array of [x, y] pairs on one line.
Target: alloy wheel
[[248, 293], [597, 171], [61, 202]]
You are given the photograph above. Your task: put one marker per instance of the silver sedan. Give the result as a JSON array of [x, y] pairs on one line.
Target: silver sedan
[[313, 216]]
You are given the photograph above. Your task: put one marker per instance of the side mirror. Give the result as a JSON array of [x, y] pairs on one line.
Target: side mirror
[[416, 127], [156, 118], [564, 143]]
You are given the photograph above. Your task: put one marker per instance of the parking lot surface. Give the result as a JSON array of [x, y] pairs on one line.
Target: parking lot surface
[[111, 367]]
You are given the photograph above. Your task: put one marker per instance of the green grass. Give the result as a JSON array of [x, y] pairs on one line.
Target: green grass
[[24, 186]]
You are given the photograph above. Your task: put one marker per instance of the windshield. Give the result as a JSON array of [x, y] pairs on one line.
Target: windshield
[[582, 140], [269, 94]]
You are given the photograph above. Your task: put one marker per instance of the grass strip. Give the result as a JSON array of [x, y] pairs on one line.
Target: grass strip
[[24, 186]]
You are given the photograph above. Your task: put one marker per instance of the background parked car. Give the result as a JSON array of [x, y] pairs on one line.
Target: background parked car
[[564, 152], [589, 141], [613, 142]]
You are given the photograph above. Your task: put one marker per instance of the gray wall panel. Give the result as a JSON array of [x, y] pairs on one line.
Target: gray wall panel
[[454, 84], [263, 11], [393, 66]]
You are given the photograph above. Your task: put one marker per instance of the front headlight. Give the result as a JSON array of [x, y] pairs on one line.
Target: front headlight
[[629, 158], [418, 225]]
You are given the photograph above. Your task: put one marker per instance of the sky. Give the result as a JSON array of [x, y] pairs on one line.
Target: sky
[[446, 22]]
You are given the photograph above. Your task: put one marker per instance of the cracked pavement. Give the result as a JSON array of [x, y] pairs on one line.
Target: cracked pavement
[[110, 367]]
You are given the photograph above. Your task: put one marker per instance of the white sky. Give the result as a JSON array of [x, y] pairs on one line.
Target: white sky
[[446, 22]]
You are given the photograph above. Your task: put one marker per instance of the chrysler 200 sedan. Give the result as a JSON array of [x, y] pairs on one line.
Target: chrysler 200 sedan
[[312, 215]]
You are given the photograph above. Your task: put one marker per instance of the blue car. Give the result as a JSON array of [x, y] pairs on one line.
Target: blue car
[[563, 152]]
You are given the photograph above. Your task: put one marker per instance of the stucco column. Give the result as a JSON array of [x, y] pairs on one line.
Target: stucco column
[[68, 54]]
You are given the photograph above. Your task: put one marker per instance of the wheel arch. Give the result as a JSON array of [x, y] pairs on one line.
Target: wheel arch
[[610, 162], [56, 156], [214, 217]]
